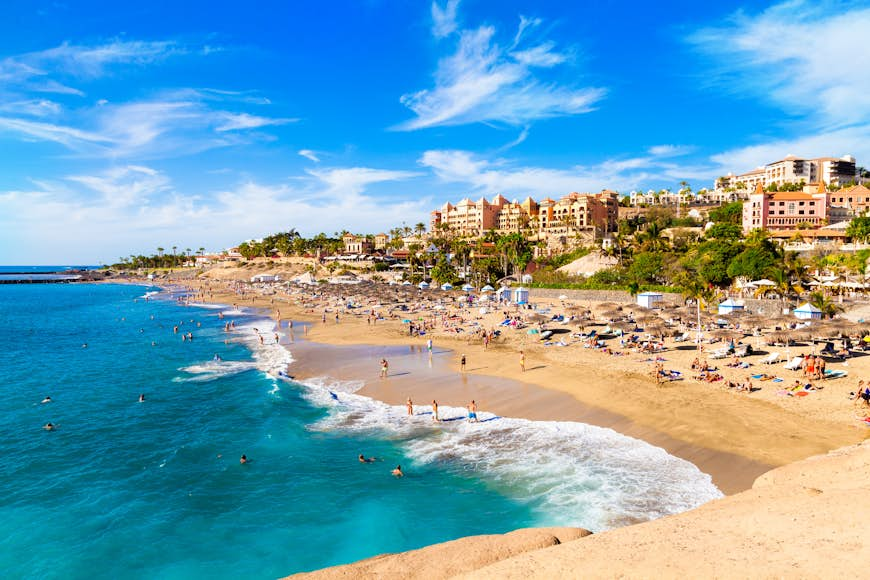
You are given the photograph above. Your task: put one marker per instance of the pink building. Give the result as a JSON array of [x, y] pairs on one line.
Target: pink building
[[785, 210]]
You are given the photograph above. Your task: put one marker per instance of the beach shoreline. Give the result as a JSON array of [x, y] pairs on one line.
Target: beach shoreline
[[735, 437]]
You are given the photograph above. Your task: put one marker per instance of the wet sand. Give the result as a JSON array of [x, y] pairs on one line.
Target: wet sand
[[412, 375]]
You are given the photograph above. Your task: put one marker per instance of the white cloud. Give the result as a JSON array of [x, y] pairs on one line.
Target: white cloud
[[31, 108], [235, 121], [444, 19], [807, 57], [84, 61], [309, 154], [483, 82], [132, 209], [511, 179], [668, 150], [125, 187], [161, 127], [37, 130]]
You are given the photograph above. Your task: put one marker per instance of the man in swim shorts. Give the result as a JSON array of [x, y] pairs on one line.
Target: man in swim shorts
[[472, 411]]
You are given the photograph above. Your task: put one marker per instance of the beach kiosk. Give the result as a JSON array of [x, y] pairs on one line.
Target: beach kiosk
[[648, 299], [521, 295], [807, 311], [729, 306]]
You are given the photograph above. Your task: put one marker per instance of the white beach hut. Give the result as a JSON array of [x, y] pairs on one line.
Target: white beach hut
[[807, 311], [521, 295], [730, 305], [648, 299], [504, 293]]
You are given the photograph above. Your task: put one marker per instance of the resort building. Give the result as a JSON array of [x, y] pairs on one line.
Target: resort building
[[381, 241], [572, 214], [790, 170], [855, 198], [356, 244], [786, 210]]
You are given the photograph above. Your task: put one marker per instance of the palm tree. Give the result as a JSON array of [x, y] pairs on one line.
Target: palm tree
[[420, 229], [160, 252], [825, 304], [696, 290], [201, 251]]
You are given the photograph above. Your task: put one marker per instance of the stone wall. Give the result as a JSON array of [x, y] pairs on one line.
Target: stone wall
[[618, 296]]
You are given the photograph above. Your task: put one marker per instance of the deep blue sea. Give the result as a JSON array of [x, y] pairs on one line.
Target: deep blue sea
[[123, 489]]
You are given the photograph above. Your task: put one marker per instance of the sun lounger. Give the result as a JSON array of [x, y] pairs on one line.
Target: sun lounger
[[683, 337], [770, 359], [835, 374], [794, 364], [740, 352], [720, 353]]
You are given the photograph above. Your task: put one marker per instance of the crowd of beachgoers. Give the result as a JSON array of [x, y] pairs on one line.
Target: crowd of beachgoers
[[777, 357]]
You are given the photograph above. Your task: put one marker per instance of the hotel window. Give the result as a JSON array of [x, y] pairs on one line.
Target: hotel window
[[791, 207]]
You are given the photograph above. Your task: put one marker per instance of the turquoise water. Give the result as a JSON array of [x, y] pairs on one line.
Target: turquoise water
[[123, 489], [156, 490]]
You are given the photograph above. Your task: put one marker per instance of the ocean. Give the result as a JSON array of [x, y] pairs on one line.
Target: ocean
[[155, 489]]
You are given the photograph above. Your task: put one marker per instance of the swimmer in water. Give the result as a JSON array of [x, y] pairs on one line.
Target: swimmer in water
[[398, 471], [47, 399], [84, 345], [48, 427], [244, 459], [142, 398], [364, 459]]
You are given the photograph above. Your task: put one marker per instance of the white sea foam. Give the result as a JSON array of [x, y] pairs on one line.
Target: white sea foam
[[569, 473], [150, 294]]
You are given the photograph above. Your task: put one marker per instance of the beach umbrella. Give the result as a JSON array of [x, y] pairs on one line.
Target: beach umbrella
[[487, 288], [446, 286], [467, 287]]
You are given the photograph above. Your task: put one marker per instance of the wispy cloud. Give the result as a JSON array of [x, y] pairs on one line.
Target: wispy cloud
[[236, 121], [485, 82], [444, 19], [803, 56], [514, 179], [309, 154]]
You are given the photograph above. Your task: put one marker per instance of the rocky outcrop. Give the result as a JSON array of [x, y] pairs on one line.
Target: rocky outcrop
[[450, 558]]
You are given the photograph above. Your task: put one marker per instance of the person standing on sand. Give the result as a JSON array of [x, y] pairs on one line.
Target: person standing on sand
[[522, 361], [435, 410], [429, 346], [462, 363], [385, 367], [472, 412], [410, 406]]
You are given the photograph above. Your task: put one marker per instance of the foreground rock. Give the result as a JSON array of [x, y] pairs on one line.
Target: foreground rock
[[804, 520], [451, 558]]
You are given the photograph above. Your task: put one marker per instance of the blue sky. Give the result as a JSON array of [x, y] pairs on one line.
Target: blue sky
[[124, 128]]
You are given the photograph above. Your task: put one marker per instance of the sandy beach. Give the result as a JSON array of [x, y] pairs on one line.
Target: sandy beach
[[689, 418], [735, 436]]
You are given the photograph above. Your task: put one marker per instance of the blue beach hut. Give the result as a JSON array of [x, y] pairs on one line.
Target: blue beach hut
[[807, 311], [521, 295], [648, 299], [730, 305]]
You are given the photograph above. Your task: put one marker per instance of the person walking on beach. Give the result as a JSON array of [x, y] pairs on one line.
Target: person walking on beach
[[429, 346], [462, 363], [435, 410], [410, 406], [472, 412], [522, 361], [385, 367]]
